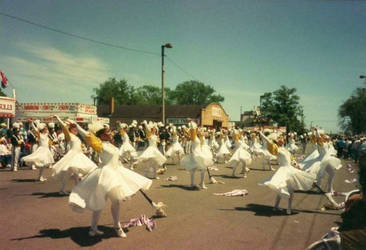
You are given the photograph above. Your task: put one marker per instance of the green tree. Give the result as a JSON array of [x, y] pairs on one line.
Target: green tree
[[122, 92], [283, 107], [2, 93], [195, 92], [149, 94], [352, 112]]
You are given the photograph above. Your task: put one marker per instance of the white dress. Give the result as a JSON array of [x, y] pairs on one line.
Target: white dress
[[126, 149], [196, 160], [287, 178], [175, 150], [111, 180], [206, 150], [241, 155], [152, 155], [74, 162], [213, 143], [267, 155], [42, 157], [292, 146], [228, 143], [256, 147], [223, 153], [324, 162]]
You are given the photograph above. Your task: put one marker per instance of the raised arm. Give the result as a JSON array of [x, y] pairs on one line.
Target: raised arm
[[90, 138], [34, 127], [271, 146], [65, 129]]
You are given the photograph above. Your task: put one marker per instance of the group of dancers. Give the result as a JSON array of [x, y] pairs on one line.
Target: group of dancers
[[111, 175]]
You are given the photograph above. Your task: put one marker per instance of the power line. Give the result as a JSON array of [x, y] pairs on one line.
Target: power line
[[183, 70], [78, 36], [42, 26]]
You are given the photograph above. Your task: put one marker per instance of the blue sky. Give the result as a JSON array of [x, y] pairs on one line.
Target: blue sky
[[242, 48]]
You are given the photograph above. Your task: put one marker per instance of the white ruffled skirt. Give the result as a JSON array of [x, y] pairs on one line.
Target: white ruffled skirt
[[42, 157], [74, 162], [115, 183], [196, 161], [287, 179], [127, 150], [240, 156], [151, 155]]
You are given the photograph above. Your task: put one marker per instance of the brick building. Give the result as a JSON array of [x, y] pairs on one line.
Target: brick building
[[211, 115]]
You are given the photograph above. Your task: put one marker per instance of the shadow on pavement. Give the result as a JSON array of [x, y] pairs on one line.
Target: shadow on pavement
[[308, 192], [181, 187], [263, 210], [261, 169], [79, 235], [49, 195], [226, 176], [24, 180]]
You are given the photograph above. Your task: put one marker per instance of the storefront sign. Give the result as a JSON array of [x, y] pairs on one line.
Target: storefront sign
[[7, 107]]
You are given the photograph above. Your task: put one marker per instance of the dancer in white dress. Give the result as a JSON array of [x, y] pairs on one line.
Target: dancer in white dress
[[287, 178], [241, 157], [127, 152], [74, 164], [175, 151], [223, 154], [109, 181], [197, 160], [212, 141], [42, 157], [325, 162], [255, 146], [291, 146], [151, 159]]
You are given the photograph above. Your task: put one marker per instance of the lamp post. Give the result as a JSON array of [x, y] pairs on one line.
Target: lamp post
[[168, 46]]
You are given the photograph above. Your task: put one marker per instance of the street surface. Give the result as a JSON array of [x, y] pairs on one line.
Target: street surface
[[34, 216]]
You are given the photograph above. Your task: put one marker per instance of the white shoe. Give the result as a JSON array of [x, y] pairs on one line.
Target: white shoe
[[288, 211], [94, 233], [34, 168], [42, 179], [120, 233], [15, 169], [202, 186]]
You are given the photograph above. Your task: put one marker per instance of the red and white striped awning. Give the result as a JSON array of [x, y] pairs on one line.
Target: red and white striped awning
[[7, 115]]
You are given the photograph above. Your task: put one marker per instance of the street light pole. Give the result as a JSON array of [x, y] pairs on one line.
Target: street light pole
[[169, 46]]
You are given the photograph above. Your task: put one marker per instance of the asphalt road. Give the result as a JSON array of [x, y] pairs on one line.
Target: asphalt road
[[34, 216]]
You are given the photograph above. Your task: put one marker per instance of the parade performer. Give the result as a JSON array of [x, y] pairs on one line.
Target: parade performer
[[42, 157], [212, 141], [223, 154], [151, 158], [255, 146], [32, 140], [127, 152], [17, 143], [291, 146], [325, 162], [241, 157], [267, 157], [197, 160], [109, 181], [175, 151], [287, 178], [75, 163]]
